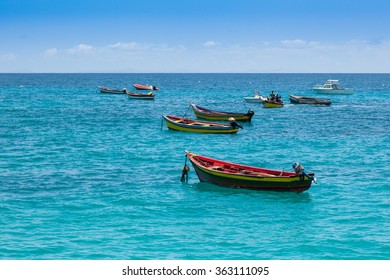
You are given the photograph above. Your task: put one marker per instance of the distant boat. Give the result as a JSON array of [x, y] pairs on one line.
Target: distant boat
[[255, 99], [295, 99], [145, 87], [234, 175], [273, 104], [273, 101], [332, 87], [189, 125], [143, 96], [110, 90], [207, 114]]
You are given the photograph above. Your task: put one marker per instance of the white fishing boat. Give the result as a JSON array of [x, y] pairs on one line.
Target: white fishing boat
[[255, 99], [332, 87]]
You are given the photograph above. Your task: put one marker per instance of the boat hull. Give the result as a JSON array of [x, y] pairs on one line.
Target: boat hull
[[291, 183], [111, 91], [141, 96], [333, 91], [144, 87], [270, 104], [253, 100], [188, 125], [203, 113], [309, 100]]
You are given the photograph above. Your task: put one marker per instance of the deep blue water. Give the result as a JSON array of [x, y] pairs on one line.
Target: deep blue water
[[86, 175]]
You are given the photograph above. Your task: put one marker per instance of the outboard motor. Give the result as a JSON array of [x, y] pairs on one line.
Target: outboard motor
[[250, 114], [300, 170], [233, 123]]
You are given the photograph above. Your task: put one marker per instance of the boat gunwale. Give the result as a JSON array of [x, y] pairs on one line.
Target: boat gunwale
[[195, 122], [207, 114], [267, 173]]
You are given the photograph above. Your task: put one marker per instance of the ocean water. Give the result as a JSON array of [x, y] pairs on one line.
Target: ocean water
[[86, 175]]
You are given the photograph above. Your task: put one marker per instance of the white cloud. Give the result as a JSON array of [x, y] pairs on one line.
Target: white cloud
[[268, 56], [124, 46], [7, 57], [50, 52], [81, 48], [293, 43], [210, 44]]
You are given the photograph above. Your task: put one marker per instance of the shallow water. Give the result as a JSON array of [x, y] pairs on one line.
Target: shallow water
[[86, 175]]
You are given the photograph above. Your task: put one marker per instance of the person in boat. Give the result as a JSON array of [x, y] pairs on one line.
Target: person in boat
[[124, 90], [233, 123], [272, 96], [278, 98]]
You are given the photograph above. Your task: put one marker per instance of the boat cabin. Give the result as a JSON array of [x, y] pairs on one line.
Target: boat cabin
[[331, 84]]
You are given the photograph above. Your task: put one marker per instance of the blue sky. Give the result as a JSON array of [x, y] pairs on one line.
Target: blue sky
[[263, 36]]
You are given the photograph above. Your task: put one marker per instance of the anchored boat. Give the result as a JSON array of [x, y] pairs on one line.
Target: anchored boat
[[144, 87], [190, 125], [332, 87], [143, 96], [110, 90], [295, 99], [207, 114], [229, 174]]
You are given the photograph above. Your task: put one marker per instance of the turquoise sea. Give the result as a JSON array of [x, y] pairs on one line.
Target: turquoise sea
[[86, 175]]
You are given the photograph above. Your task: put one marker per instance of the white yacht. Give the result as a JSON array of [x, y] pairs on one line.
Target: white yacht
[[332, 87]]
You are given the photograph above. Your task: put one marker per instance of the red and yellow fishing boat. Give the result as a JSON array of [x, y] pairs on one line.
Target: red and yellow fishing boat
[[145, 87], [190, 125], [213, 115], [234, 175]]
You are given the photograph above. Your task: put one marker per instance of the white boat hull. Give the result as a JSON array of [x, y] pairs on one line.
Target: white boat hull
[[332, 87], [253, 100], [333, 91]]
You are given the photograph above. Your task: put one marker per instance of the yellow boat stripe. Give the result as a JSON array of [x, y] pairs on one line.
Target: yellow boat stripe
[[249, 178]]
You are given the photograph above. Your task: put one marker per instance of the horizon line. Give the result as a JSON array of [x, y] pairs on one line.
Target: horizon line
[[194, 73]]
